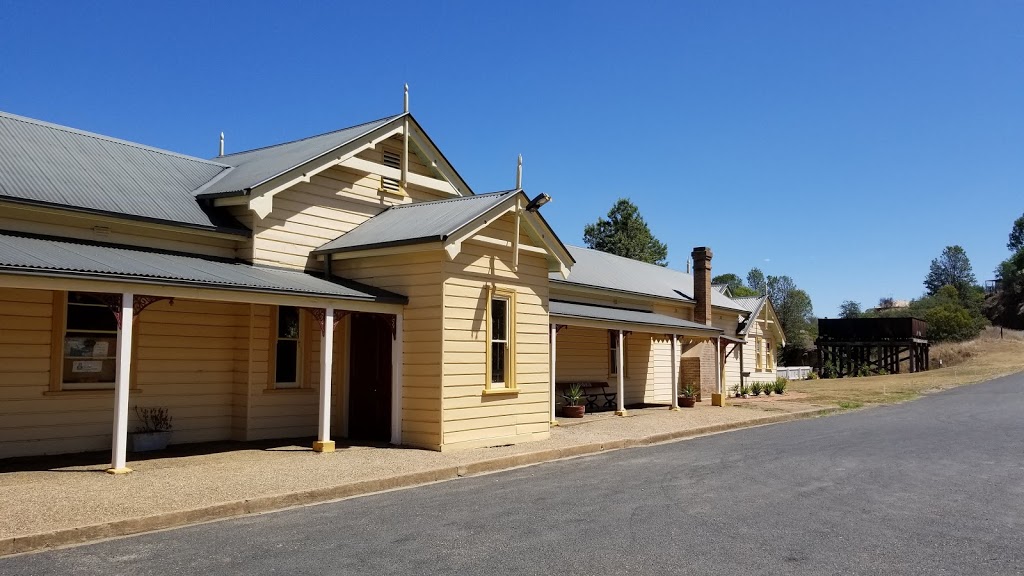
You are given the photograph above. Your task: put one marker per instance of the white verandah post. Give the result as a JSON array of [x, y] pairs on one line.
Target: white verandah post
[[122, 380], [621, 373], [554, 338], [323, 438], [675, 372]]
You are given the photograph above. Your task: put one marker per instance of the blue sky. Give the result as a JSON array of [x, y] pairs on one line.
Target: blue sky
[[841, 143]]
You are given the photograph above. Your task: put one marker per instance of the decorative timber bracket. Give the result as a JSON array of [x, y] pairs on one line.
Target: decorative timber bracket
[[139, 303], [321, 317]]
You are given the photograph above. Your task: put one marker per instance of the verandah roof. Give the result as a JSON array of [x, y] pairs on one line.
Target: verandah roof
[[622, 318], [44, 256]]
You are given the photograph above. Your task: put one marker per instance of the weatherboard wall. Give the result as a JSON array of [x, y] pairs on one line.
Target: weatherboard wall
[[471, 417], [333, 202], [418, 276]]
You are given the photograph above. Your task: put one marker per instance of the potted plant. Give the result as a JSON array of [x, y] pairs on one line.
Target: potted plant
[[756, 388], [154, 430], [780, 385], [573, 396], [688, 396]]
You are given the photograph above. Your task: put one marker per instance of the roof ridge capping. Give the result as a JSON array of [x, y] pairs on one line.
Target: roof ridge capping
[[97, 136], [269, 146]]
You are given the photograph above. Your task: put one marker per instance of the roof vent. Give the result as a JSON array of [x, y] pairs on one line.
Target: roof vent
[[390, 185]]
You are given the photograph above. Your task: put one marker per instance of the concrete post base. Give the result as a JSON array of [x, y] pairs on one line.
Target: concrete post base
[[326, 446], [119, 470], [620, 412]]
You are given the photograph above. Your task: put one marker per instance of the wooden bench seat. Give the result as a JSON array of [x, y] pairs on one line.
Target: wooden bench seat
[[599, 395]]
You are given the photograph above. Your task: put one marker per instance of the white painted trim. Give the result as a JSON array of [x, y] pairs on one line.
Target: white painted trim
[[122, 381], [553, 372], [397, 358], [675, 370], [621, 396], [326, 365], [497, 242], [367, 167]]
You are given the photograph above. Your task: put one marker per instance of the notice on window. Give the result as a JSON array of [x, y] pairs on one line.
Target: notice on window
[[100, 349], [86, 366]]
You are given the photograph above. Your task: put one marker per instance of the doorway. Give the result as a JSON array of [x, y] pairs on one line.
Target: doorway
[[369, 404]]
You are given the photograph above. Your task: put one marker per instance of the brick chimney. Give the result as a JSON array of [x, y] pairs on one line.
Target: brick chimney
[[702, 284]]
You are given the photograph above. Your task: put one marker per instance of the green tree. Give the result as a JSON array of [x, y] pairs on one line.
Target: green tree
[[1005, 306], [850, 309], [735, 284], [951, 268], [948, 319], [1016, 242], [625, 233], [756, 281], [794, 309]]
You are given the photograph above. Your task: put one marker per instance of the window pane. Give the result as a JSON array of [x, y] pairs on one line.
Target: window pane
[[498, 362], [499, 315], [92, 317], [287, 360], [287, 322]]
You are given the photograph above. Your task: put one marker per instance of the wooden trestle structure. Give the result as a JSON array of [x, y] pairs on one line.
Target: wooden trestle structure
[[852, 345]]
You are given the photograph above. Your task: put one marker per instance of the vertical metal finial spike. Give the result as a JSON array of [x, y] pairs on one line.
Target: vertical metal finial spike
[[406, 98], [519, 173], [221, 144]]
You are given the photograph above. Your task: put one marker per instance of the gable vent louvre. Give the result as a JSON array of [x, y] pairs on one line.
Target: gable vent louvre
[[392, 160], [390, 184]]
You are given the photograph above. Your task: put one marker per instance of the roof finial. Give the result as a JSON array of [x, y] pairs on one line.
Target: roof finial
[[221, 144], [519, 173], [406, 97]]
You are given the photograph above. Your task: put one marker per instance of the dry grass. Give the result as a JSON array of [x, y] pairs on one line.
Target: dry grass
[[962, 363]]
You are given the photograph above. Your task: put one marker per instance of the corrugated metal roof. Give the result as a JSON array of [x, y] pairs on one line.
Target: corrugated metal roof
[[254, 167], [416, 223], [623, 316], [46, 163], [47, 256], [749, 303], [598, 269], [752, 304]]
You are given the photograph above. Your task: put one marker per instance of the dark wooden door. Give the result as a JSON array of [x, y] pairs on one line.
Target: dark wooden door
[[369, 381]]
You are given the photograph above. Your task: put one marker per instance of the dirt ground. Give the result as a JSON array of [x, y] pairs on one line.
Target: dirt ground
[[979, 360]]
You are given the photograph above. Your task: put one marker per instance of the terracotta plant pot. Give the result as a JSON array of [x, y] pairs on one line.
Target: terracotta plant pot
[[687, 401], [573, 411]]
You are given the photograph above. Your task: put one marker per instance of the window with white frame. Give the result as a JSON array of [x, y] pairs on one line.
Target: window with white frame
[[90, 344], [759, 354], [501, 340], [286, 348]]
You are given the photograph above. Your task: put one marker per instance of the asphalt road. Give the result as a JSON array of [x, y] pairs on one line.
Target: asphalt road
[[934, 486]]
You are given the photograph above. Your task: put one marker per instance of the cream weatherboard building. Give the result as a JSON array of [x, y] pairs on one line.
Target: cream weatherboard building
[[349, 284]]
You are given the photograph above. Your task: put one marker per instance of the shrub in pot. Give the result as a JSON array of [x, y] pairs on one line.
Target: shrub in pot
[[780, 385], [756, 388], [573, 396], [154, 430], [688, 396]]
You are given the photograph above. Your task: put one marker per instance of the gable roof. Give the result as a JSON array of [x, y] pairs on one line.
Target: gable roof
[[45, 256], [596, 269], [416, 223], [48, 164], [254, 167]]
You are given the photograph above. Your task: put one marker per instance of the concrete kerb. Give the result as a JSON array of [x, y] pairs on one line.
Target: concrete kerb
[[263, 504]]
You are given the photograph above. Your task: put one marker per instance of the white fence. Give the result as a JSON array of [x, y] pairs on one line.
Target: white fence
[[793, 372]]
